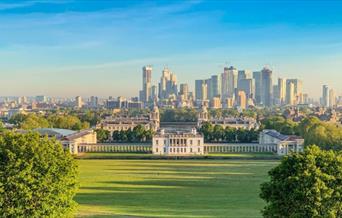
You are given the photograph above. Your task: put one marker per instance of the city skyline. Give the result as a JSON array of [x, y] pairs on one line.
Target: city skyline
[[69, 48]]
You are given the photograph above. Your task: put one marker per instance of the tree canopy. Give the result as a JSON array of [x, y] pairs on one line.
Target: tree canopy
[[307, 184], [37, 177], [33, 121]]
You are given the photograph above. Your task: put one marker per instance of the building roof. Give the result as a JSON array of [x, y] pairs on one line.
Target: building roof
[[275, 134], [55, 132]]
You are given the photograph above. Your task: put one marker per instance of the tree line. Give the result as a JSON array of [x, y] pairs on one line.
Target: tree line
[[33, 121], [312, 129], [137, 134], [216, 133]]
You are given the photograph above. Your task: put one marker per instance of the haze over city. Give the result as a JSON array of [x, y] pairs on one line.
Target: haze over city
[[69, 48]]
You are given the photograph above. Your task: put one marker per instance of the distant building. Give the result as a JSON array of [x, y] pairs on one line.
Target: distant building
[[232, 81], [242, 100], [248, 86], [266, 87], [215, 86], [232, 122], [201, 90], [78, 102], [168, 84], [285, 143], [123, 123], [145, 93], [258, 80], [215, 103], [325, 96], [282, 91], [178, 143]]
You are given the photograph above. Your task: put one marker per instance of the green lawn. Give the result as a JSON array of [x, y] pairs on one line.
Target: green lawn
[[171, 188]]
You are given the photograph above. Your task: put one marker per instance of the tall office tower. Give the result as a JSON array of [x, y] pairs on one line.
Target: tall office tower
[[154, 93], [248, 86], [281, 91], [305, 98], [266, 87], [332, 98], [216, 85], [224, 83], [184, 90], [198, 89], [275, 95], [94, 101], [325, 96], [168, 84], [145, 93], [232, 81], [244, 74], [22, 100], [204, 92], [290, 93], [41, 98], [209, 89], [241, 100], [78, 102], [298, 90], [257, 78]]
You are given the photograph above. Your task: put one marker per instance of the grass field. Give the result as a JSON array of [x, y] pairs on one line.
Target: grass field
[[171, 188]]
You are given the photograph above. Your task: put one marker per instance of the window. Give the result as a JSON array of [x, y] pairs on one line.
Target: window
[[157, 142], [199, 142], [191, 150], [190, 142], [157, 150], [199, 149]]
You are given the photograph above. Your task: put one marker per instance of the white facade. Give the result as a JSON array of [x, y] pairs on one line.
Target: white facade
[[178, 144], [285, 144]]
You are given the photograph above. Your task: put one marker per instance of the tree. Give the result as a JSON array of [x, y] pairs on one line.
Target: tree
[[37, 177], [102, 135], [307, 184]]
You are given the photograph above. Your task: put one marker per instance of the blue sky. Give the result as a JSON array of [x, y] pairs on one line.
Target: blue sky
[[69, 48]]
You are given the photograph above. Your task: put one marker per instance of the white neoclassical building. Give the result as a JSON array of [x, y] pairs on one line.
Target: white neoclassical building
[[285, 143], [178, 143], [70, 139]]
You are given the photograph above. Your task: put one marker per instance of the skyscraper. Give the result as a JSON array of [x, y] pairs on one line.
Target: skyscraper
[[78, 102], [325, 96], [244, 74], [215, 86], [168, 84], [290, 93], [298, 90], [232, 81], [332, 98], [145, 93], [201, 91], [209, 89], [184, 90], [224, 83], [258, 79], [281, 91], [266, 87], [248, 86]]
